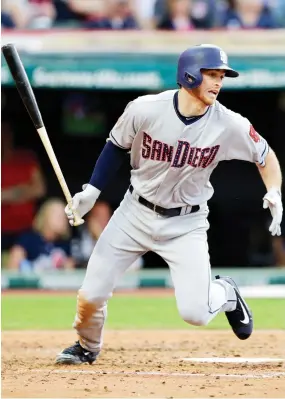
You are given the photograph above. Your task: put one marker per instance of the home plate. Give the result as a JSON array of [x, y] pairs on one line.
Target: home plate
[[232, 360]]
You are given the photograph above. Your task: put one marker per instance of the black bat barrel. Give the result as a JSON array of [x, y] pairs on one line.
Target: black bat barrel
[[22, 83]]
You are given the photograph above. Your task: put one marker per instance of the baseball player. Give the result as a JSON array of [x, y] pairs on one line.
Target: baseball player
[[176, 139]]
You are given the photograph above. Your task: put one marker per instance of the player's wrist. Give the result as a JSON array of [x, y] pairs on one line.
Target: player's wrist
[[91, 191], [275, 190]]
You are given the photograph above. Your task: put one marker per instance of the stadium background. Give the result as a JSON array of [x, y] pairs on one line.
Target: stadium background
[[237, 201], [79, 119]]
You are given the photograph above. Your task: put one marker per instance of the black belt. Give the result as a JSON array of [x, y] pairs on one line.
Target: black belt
[[170, 212]]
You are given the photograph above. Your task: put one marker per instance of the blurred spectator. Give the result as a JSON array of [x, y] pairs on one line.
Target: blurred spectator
[[78, 12], [28, 14], [64, 14], [253, 14], [145, 13], [7, 20], [13, 14], [47, 245], [118, 15], [278, 10], [178, 16], [41, 14], [22, 185], [103, 14], [202, 12]]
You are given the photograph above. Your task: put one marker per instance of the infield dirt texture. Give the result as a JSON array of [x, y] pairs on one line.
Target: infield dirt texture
[[144, 363]]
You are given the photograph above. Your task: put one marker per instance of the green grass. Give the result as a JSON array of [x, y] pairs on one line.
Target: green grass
[[39, 312]]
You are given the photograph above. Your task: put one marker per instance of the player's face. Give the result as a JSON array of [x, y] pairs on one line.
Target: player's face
[[211, 85]]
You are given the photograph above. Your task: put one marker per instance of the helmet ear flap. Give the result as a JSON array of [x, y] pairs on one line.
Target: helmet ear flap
[[189, 78], [192, 81]]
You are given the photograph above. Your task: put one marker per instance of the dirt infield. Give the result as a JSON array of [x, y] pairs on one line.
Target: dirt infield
[[143, 364]]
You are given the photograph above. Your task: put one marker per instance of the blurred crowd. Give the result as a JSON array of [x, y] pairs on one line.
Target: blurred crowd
[[35, 233], [179, 15]]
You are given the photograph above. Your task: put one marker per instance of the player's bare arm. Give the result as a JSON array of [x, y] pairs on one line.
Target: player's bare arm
[[271, 172], [272, 178]]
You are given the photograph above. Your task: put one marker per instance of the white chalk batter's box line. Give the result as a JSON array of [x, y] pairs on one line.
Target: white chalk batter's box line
[[244, 360], [161, 374]]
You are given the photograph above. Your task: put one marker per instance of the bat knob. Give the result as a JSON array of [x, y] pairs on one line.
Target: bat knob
[[77, 219]]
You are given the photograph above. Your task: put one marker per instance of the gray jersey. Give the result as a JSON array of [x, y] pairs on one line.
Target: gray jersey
[[172, 162]]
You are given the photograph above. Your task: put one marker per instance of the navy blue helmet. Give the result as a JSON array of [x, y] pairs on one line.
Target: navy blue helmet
[[204, 56]]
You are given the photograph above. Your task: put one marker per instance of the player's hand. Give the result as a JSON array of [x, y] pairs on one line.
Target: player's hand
[[272, 200], [82, 202]]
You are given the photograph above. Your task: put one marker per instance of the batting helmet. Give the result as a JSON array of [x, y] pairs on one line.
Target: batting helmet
[[204, 56]]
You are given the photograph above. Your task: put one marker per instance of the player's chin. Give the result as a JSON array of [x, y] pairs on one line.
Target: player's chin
[[209, 100]]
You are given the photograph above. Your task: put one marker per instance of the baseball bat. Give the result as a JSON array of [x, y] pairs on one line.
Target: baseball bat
[[27, 95]]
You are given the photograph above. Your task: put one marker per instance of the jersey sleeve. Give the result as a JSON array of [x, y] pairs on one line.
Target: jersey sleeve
[[245, 143], [124, 131]]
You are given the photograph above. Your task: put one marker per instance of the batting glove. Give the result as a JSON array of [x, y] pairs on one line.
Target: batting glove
[[82, 202], [272, 200]]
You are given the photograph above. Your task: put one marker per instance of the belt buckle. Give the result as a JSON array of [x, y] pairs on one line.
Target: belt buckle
[[155, 211], [161, 212]]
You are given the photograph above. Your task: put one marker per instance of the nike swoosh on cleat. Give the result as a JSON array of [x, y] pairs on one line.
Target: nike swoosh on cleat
[[246, 318]]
